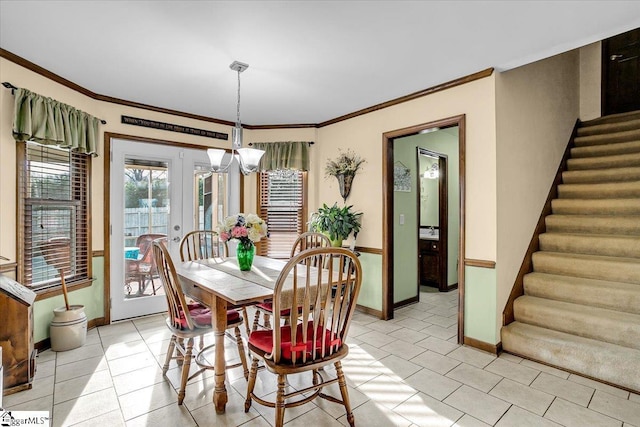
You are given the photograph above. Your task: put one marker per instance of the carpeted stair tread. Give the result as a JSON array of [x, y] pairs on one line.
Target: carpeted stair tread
[[604, 361], [612, 118], [597, 293], [596, 206], [594, 224], [617, 269], [606, 149], [591, 244], [602, 162], [607, 190], [627, 124], [615, 327], [607, 138], [597, 176]]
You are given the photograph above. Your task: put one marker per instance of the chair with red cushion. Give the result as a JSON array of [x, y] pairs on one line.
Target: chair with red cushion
[[326, 299], [203, 244], [304, 241], [188, 321]]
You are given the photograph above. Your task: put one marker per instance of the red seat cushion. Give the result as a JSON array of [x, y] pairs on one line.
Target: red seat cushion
[[201, 316], [268, 306], [264, 341]]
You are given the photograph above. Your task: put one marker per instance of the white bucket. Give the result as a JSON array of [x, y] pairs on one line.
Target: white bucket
[[68, 328]]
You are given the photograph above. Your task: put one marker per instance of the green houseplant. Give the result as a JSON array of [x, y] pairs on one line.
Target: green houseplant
[[336, 222]]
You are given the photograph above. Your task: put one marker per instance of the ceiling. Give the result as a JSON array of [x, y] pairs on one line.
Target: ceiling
[[309, 61]]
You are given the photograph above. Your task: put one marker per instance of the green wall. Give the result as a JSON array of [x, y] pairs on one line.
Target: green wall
[[371, 290], [91, 297], [480, 295]]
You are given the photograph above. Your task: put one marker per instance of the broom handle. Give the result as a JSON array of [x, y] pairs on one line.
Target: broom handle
[[64, 289]]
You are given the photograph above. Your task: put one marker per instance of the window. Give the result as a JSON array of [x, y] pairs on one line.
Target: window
[[210, 203], [53, 216], [282, 204]]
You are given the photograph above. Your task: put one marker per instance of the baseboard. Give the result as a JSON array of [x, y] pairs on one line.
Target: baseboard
[[484, 346], [408, 301], [371, 311]]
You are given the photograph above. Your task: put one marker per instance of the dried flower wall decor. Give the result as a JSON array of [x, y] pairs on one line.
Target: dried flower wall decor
[[344, 168]]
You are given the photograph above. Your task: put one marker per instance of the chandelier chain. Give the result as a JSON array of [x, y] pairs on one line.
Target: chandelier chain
[[238, 107]]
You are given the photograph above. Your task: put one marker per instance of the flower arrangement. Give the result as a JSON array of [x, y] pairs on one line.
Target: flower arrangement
[[347, 163], [247, 229]]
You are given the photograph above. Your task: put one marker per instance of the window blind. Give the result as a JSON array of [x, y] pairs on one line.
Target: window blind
[[53, 216], [282, 205]]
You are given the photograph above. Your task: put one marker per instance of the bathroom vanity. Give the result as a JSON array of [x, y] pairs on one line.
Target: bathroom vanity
[[429, 254]]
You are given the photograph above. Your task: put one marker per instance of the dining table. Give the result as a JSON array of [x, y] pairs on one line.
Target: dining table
[[218, 283]]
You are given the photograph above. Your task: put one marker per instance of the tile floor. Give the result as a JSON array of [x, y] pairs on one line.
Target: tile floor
[[404, 372]]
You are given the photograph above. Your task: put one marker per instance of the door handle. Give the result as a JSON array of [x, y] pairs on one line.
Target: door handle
[[615, 57], [176, 239]]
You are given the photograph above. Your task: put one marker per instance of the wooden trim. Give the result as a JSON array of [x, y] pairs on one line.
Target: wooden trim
[[368, 310], [405, 302], [444, 86], [9, 267], [388, 211], [96, 254], [527, 263], [484, 346], [367, 250], [71, 85], [157, 141], [479, 263], [57, 290]]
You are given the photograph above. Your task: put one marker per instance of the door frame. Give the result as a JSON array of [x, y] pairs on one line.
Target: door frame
[[108, 136], [388, 212]]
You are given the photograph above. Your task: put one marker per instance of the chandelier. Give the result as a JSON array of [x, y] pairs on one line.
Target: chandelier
[[249, 158]]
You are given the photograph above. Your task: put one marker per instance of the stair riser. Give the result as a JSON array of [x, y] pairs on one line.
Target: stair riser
[[604, 162], [622, 297], [591, 245], [622, 329], [613, 119], [595, 207], [608, 138], [599, 176], [613, 225], [601, 269], [606, 150], [612, 364], [625, 190]]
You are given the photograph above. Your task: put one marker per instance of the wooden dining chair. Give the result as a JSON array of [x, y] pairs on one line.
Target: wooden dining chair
[[304, 241], [188, 321], [317, 341], [203, 244]]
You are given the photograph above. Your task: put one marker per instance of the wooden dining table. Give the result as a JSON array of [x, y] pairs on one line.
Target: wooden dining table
[[219, 283]]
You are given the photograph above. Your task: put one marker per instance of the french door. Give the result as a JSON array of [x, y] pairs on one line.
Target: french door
[[156, 191]]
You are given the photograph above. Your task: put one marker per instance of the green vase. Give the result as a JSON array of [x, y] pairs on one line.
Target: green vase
[[245, 253]]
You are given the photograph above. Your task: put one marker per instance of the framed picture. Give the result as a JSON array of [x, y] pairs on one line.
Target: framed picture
[[401, 177]]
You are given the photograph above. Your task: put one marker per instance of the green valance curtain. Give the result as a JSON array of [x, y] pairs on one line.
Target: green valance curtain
[[293, 155], [47, 121]]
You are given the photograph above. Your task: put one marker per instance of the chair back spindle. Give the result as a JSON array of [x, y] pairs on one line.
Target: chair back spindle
[[202, 244]]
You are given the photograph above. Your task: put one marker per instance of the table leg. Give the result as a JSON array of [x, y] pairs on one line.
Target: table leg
[[219, 320]]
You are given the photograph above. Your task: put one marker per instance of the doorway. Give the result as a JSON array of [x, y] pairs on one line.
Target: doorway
[[391, 215], [155, 191], [620, 70]]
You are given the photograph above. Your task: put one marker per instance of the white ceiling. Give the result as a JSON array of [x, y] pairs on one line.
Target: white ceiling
[[309, 61]]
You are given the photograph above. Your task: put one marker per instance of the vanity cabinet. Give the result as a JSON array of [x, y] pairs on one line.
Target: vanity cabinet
[[429, 262]]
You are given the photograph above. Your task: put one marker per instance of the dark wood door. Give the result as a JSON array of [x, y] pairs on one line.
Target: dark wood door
[[621, 73]]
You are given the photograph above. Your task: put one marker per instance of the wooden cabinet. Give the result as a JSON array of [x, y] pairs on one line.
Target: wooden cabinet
[[429, 263], [16, 335]]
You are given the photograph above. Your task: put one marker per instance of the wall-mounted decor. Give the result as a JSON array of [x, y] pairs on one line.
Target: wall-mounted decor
[[401, 177], [127, 120], [344, 168]]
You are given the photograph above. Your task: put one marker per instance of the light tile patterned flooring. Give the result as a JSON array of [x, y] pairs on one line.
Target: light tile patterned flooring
[[404, 372]]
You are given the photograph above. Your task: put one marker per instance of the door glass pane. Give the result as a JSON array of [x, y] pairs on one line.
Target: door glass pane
[[211, 190], [146, 218]]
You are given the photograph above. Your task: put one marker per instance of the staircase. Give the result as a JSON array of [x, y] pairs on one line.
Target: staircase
[[581, 305]]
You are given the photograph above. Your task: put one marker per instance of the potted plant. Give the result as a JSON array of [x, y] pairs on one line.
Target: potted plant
[[336, 222], [344, 168]]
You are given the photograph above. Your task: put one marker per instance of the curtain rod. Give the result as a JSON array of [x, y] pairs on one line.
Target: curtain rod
[[12, 87], [310, 143]]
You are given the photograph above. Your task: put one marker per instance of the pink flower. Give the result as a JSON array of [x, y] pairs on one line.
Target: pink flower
[[225, 236], [238, 232]]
